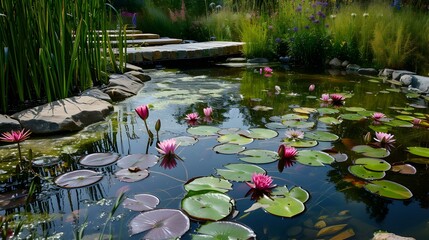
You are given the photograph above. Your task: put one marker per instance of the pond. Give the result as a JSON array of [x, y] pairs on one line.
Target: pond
[[354, 186]]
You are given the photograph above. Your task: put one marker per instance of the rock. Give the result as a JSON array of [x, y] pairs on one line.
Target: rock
[[334, 72], [257, 60], [352, 68], [368, 71], [97, 93], [396, 75], [122, 86], [189, 41], [66, 115], [345, 64], [141, 76], [421, 83], [131, 67], [236, 60], [285, 59], [406, 79], [387, 72], [7, 124], [389, 236], [335, 63]]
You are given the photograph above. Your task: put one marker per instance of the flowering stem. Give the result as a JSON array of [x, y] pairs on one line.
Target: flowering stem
[[147, 129], [19, 153]]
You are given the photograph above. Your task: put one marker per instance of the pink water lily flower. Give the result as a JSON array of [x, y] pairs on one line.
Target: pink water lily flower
[[377, 116], [294, 134], [311, 88], [15, 136], [208, 111], [261, 182], [384, 138], [325, 97], [417, 121], [167, 147], [268, 70], [143, 112], [336, 97], [192, 116], [286, 152]]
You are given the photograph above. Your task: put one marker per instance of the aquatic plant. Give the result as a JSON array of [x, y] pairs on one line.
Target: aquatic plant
[[143, 112], [167, 147], [384, 138], [294, 134], [261, 182], [208, 111], [17, 137]]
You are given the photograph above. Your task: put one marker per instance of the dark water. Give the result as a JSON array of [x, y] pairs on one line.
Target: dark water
[[233, 93]]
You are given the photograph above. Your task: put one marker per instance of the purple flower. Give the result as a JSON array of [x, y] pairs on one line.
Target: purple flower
[[299, 8], [295, 29], [278, 40]]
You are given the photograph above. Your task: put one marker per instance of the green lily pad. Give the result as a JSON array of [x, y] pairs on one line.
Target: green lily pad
[[371, 152], [211, 206], [275, 125], [321, 136], [304, 110], [226, 131], [397, 90], [259, 133], [389, 189], [384, 91], [296, 192], [362, 172], [259, 156], [352, 116], [373, 164], [314, 158], [380, 128], [328, 110], [366, 113], [208, 183], [228, 148], [419, 160], [186, 141], [203, 130], [405, 117], [283, 207], [399, 123], [293, 116], [235, 139], [300, 143], [298, 124], [330, 120], [355, 109], [223, 230], [412, 95], [78, 178], [373, 81], [419, 151], [239, 172]]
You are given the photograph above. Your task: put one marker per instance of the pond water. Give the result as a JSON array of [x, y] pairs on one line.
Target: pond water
[[242, 99]]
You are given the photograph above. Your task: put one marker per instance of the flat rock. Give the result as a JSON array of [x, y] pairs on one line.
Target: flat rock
[[7, 124], [131, 67], [387, 72], [421, 83], [236, 60], [368, 71], [66, 115], [352, 68], [390, 236], [396, 75], [122, 86], [97, 93], [141, 76], [335, 63]]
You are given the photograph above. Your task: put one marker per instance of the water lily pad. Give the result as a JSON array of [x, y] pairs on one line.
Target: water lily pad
[[419, 106], [412, 95], [304, 110], [275, 125], [226, 131], [297, 124], [300, 143], [397, 90], [352, 116], [185, 141], [283, 207], [296, 192], [399, 123], [380, 128], [293, 116], [371, 152], [259, 133], [212, 206], [98, 159], [405, 117], [223, 230], [404, 169], [78, 178], [355, 109], [419, 151], [321, 136], [259, 156], [389, 189], [366, 113], [239, 172], [208, 183], [262, 108], [203, 130], [228, 148], [160, 224], [235, 139], [314, 158], [419, 160], [141, 161], [373, 164], [328, 110], [136, 174], [45, 161], [362, 172], [141, 202], [330, 120]]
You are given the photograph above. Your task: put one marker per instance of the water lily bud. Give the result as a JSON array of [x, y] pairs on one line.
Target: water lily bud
[[311, 88], [143, 112], [158, 125], [367, 138]]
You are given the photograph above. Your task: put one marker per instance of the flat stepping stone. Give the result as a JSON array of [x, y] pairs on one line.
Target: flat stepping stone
[[150, 42], [135, 36], [113, 31]]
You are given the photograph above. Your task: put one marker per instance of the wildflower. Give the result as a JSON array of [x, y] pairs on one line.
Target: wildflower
[[316, 21], [15, 136], [261, 182], [307, 27], [384, 138], [192, 116], [312, 18], [212, 5], [299, 8], [377, 116], [311, 87], [218, 8], [321, 14], [286, 152], [143, 112], [325, 97], [295, 29], [278, 40], [365, 14], [353, 14], [208, 111], [167, 147], [294, 134]]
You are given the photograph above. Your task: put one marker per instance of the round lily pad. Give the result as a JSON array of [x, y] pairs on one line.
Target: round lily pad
[[228, 148], [78, 178], [297, 124], [125, 175], [355, 109], [98, 159], [259, 156], [283, 207], [321, 136], [362, 172], [293, 116], [371, 152], [235, 139], [314, 158], [160, 224], [239, 172], [328, 110], [404, 169], [380, 128], [141, 161], [300, 143], [419, 151], [275, 125], [212, 206], [304, 110], [352, 116], [296, 192], [185, 141], [405, 117], [373, 164], [226, 131], [141, 202], [203, 130], [389, 189], [330, 120], [366, 113], [399, 123], [259, 133], [223, 230], [208, 183], [45, 161]]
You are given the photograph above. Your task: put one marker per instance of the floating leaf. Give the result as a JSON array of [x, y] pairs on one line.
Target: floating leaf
[[160, 224], [419, 160], [212, 206], [399, 123], [412, 95], [226, 131], [125, 175], [235, 139], [362, 172], [45, 161], [259, 133], [259, 156], [141, 202], [208, 183], [389, 189], [397, 90], [228, 148], [300, 143], [262, 108], [296, 192], [352, 117], [224, 230], [78, 178], [380, 128], [298, 124], [314, 158], [141, 161], [321, 136], [203, 130], [405, 117], [328, 110], [293, 116], [330, 120], [239, 172], [355, 109], [366, 113], [404, 169], [414, 105], [98, 159], [419, 151], [304, 110], [283, 207], [185, 141], [275, 125], [373, 164], [371, 152]]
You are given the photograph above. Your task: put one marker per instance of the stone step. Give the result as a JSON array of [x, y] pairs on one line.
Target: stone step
[[134, 36], [149, 42], [115, 31]]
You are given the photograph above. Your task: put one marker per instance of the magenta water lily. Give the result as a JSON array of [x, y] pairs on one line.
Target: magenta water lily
[[377, 116], [143, 112], [384, 138], [167, 147], [17, 136], [208, 111], [261, 182], [311, 87], [192, 116], [286, 152]]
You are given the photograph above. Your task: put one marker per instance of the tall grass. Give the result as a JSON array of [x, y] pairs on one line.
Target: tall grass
[[53, 48]]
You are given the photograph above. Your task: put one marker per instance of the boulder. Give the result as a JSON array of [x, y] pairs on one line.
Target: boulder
[[97, 93], [131, 67], [66, 115], [352, 68], [122, 86], [396, 75], [406, 79], [257, 60], [345, 64], [7, 124], [368, 71], [421, 83], [335, 63], [387, 72], [143, 77]]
